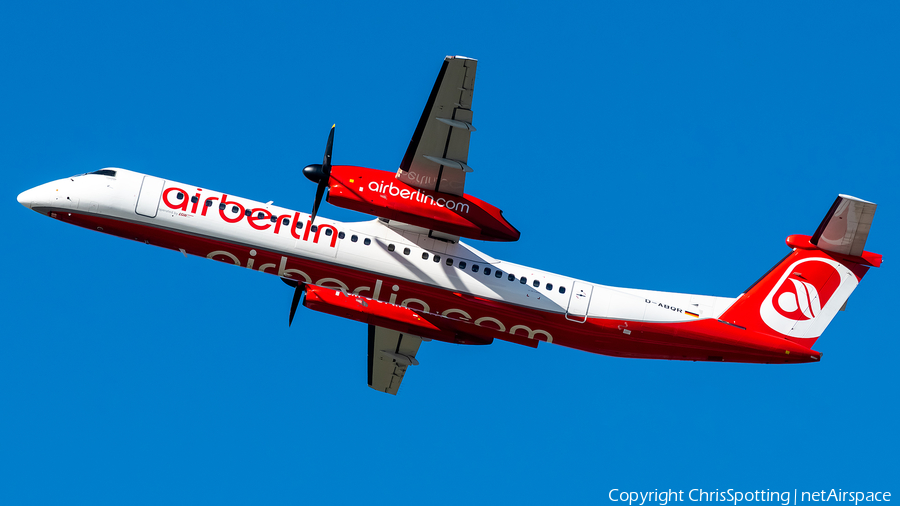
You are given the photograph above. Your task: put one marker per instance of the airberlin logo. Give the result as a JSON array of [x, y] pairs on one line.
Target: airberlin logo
[[798, 300], [798, 304], [417, 196], [234, 211]]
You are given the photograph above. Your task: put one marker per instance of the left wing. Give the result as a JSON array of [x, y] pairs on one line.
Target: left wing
[[390, 353], [437, 156]]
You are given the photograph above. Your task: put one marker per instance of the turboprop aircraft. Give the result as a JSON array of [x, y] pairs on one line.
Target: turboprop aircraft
[[409, 277]]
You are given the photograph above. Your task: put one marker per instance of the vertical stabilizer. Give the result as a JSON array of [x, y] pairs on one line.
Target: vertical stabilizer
[[800, 296]]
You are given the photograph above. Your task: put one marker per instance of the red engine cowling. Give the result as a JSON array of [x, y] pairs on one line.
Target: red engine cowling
[[379, 193], [384, 314]]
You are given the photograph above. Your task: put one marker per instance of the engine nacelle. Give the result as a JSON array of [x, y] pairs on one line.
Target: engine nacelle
[[384, 314], [379, 193]]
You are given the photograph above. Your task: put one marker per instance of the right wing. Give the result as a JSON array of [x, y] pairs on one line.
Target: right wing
[[439, 149], [390, 353]]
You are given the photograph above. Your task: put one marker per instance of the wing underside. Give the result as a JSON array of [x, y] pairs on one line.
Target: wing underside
[[390, 354], [438, 152]]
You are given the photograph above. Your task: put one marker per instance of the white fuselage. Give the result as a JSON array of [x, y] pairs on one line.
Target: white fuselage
[[370, 246]]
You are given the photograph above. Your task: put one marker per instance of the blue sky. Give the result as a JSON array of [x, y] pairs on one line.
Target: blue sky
[[636, 144]]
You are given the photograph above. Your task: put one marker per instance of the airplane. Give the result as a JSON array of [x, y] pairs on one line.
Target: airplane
[[408, 275]]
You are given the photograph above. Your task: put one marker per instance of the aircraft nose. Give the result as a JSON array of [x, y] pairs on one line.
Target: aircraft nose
[[26, 198]]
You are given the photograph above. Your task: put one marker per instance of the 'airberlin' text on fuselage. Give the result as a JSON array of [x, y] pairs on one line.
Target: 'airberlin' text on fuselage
[[258, 218], [376, 292]]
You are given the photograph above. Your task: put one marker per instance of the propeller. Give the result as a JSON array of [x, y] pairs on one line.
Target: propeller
[[299, 288], [319, 174]]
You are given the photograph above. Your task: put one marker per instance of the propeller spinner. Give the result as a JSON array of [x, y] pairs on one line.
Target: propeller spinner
[[319, 174]]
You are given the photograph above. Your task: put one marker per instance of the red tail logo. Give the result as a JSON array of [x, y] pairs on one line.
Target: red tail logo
[[798, 298], [801, 294], [797, 302]]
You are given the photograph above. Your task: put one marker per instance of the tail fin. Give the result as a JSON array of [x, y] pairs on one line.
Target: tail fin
[[800, 296]]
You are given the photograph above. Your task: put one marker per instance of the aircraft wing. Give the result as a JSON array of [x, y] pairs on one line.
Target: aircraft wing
[[390, 353], [438, 152]]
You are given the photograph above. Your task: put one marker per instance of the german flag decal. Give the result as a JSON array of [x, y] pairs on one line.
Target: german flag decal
[[695, 315]]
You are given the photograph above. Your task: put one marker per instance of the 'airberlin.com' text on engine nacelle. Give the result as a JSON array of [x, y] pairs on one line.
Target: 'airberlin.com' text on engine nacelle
[[379, 193]]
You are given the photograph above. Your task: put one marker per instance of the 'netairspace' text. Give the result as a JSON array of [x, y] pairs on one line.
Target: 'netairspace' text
[[662, 498]]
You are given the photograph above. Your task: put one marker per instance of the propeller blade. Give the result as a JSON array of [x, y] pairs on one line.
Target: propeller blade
[[319, 192], [326, 161], [298, 292], [320, 174]]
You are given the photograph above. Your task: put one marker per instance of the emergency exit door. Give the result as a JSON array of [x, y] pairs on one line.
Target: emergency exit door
[[579, 302]]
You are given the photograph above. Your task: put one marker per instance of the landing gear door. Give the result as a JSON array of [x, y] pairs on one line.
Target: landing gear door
[[148, 200], [579, 302]]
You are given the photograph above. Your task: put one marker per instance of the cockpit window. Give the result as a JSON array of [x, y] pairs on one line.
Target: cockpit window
[[103, 172]]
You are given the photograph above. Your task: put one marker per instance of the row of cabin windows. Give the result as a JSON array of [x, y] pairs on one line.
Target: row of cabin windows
[[406, 251], [274, 219], [475, 268]]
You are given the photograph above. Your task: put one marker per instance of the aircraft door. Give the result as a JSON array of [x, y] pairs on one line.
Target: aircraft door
[[579, 302], [148, 199]]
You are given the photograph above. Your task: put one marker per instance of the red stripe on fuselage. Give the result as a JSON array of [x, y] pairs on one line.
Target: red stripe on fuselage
[[475, 322]]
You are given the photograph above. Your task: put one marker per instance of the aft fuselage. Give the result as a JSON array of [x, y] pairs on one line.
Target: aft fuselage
[[470, 296]]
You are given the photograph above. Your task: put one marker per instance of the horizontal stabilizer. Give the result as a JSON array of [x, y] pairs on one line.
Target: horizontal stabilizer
[[846, 226]]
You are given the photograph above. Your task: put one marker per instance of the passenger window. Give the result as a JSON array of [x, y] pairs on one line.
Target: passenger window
[[299, 224], [328, 231], [523, 280], [180, 195], [406, 251], [549, 286], [498, 274], [248, 212], [487, 271], [367, 241], [208, 203], [194, 199], [536, 283], [511, 277], [285, 221], [273, 219], [354, 238], [235, 209], [462, 265], [390, 247], [341, 235], [474, 267], [437, 259], [314, 228], [221, 207], [562, 289], [450, 262], [425, 255], [260, 215]]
